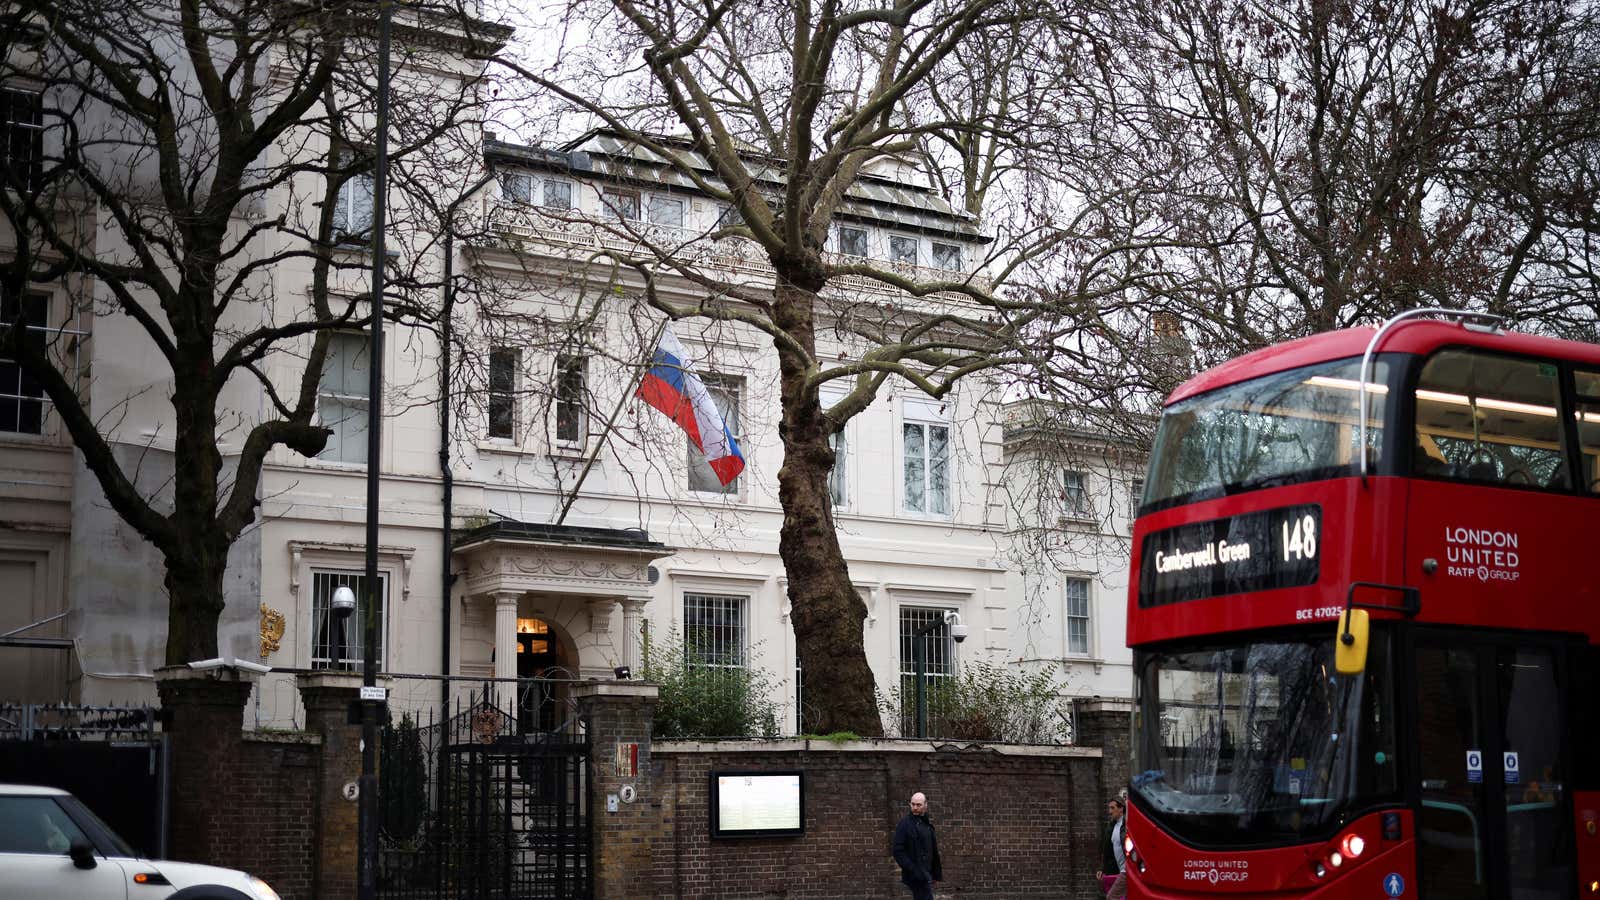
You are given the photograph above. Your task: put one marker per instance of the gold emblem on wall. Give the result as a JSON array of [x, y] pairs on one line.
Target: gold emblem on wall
[[271, 630]]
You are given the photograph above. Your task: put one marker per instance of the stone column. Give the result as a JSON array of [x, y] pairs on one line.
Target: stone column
[[618, 715], [632, 615], [204, 715], [1107, 724], [327, 697], [505, 649]]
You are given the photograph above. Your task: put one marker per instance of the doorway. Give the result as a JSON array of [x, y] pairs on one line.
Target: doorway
[[542, 674], [1494, 815]]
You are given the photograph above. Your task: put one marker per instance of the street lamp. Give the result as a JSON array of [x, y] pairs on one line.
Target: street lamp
[[958, 633], [344, 603]]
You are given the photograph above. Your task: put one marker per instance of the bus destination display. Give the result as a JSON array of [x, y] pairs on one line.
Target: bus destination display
[[1274, 548], [756, 804]]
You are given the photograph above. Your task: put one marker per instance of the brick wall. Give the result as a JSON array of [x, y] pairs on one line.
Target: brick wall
[[1012, 821]]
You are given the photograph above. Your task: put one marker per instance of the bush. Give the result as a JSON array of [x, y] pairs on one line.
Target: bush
[[987, 702], [700, 701]]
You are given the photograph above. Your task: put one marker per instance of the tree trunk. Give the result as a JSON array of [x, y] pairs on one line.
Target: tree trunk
[[826, 612], [195, 564], [194, 597]]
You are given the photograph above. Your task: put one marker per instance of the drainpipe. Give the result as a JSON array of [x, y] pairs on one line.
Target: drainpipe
[[447, 578]]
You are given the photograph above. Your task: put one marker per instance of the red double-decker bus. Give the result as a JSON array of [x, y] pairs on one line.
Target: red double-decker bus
[[1372, 674]]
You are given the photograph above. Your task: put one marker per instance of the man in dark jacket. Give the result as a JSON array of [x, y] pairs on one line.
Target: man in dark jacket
[[916, 849]]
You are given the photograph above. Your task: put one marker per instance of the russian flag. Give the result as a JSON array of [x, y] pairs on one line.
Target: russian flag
[[669, 386]]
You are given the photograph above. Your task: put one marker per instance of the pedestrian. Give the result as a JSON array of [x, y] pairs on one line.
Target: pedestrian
[[1108, 856], [916, 849], [1114, 867]]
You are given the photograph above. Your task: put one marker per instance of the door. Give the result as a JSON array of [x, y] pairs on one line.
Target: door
[[1494, 811]]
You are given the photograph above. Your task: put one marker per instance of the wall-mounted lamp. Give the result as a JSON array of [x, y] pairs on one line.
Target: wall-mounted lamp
[[622, 673]]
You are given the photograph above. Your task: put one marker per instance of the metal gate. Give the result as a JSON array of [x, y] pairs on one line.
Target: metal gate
[[474, 806], [111, 757]]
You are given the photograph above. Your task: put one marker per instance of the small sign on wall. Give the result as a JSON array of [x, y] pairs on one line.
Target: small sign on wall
[[627, 760]]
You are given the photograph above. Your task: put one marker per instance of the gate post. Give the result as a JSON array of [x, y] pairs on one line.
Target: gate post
[[327, 697], [1107, 724], [203, 711], [618, 715]]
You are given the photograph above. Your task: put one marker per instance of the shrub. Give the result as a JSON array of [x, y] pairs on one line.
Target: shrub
[[987, 702], [700, 701]]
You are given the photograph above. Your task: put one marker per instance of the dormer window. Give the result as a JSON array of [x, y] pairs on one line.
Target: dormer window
[[622, 205], [902, 250], [557, 194], [516, 187], [665, 211], [852, 241], [947, 256]]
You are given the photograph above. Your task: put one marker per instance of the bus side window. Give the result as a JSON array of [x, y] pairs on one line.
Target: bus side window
[[1588, 416], [1585, 714], [1482, 417]]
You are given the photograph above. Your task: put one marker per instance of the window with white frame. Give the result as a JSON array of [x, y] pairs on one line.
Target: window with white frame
[[504, 362], [902, 250], [21, 397], [725, 391], [852, 240], [22, 118], [571, 422], [729, 216], [1074, 495], [1135, 497], [516, 187], [332, 639], [1077, 608], [620, 204], [924, 464], [947, 256], [352, 210], [939, 653], [714, 630], [556, 194], [664, 210], [343, 397]]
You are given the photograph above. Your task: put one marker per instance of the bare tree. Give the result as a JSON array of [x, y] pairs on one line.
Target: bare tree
[[186, 154]]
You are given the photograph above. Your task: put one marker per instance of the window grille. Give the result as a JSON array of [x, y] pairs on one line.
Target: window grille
[[938, 649], [326, 627], [714, 630]]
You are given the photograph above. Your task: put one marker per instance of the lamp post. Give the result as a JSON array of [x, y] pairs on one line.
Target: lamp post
[[344, 603], [919, 655]]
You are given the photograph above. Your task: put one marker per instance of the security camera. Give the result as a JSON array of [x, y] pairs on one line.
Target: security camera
[[958, 632], [344, 601]]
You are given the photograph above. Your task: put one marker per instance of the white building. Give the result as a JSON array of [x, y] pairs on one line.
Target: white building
[[500, 583]]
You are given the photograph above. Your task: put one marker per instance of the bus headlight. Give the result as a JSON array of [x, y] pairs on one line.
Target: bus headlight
[[1353, 844]]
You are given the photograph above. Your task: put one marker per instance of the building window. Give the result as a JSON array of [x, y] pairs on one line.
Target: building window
[[623, 205], [838, 479], [1135, 498], [665, 211], [21, 397], [22, 116], [1077, 592], [925, 469], [947, 256], [1074, 496], [730, 217], [570, 417], [902, 250], [852, 241], [725, 391], [503, 366], [713, 630], [516, 187], [352, 209], [938, 649], [342, 397], [327, 641], [557, 194]]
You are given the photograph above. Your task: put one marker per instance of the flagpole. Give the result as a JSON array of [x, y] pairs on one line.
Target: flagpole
[[611, 422]]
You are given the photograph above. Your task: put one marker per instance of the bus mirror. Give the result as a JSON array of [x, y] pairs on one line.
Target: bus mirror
[[1350, 647]]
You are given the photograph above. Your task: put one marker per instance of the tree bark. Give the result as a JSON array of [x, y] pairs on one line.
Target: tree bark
[[826, 612]]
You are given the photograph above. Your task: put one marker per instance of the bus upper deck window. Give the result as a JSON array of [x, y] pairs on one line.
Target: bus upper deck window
[[1588, 415], [1482, 417]]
